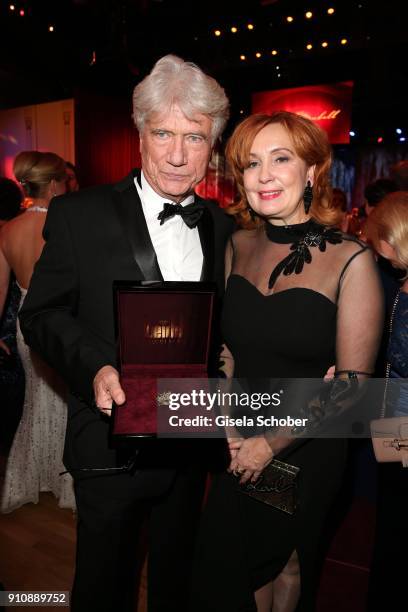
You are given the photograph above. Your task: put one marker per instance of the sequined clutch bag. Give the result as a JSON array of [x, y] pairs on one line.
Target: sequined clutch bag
[[276, 486]]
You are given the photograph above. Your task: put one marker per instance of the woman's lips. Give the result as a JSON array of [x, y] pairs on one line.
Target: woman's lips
[[269, 195]]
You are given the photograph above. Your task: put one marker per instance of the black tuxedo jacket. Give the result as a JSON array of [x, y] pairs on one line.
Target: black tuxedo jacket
[[93, 237]]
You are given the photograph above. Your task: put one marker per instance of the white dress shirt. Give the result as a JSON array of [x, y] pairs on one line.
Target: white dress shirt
[[178, 248]]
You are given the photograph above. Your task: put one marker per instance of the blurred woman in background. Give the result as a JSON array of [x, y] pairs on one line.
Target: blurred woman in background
[[11, 369], [35, 459], [387, 230]]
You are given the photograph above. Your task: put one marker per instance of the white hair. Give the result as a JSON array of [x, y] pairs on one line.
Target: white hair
[[174, 81]]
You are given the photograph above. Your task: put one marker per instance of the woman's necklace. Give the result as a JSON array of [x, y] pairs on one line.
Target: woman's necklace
[[303, 236]]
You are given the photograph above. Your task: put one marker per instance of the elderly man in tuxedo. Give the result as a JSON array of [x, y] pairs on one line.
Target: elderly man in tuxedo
[[94, 237]]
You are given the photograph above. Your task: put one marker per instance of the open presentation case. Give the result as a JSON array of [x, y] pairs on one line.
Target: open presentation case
[[163, 330]]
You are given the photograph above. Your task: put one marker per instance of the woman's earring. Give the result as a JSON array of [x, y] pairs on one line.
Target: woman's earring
[[308, 196], [252, 213]]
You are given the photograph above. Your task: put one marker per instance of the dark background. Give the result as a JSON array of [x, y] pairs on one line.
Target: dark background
[[128, 36]]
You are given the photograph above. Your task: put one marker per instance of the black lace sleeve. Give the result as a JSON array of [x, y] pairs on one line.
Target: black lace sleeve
[[359, 329]]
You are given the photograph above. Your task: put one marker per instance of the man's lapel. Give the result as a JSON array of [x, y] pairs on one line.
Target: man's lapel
[[206, 233], [130, 213]]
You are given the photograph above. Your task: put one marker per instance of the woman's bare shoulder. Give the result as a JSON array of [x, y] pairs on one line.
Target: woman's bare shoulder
[[22, 230]]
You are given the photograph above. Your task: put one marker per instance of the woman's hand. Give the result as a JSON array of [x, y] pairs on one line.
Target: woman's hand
[[252, 456], [234, 444], [330, 374]]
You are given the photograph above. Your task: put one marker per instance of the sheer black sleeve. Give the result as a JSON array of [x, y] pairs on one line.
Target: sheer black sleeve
[[359, 329]]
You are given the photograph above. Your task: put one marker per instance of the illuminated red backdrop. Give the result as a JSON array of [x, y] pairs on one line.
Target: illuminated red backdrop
[[328, 105]]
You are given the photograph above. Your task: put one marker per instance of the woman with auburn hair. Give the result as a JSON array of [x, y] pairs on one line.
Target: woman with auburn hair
[[35, 459], [311, 145], [387, 231], [300, 297]]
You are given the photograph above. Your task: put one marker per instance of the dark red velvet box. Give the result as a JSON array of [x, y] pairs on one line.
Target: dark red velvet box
[[163, 330]]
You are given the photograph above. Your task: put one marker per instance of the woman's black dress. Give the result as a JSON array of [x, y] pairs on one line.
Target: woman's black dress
[[301, 328]]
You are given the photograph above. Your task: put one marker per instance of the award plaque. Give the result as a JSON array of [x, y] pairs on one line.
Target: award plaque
[[163, 330]]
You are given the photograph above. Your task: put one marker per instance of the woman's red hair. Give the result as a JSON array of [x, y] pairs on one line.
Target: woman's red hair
[[311, 144]]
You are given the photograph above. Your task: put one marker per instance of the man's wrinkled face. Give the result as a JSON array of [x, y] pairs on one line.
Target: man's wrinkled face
[[175, 152]]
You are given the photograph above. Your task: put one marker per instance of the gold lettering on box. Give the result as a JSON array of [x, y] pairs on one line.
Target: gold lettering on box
[[164, 332]]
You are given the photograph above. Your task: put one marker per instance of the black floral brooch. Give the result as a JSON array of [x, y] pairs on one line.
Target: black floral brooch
[[316, 236]]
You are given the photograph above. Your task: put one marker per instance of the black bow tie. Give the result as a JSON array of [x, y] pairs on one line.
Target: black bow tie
[[191, 214]]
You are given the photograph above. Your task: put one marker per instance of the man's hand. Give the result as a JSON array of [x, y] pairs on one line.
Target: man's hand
[[107, 389]]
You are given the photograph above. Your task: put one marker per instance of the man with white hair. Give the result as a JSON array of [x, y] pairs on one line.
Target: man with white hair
[[150, 226]]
